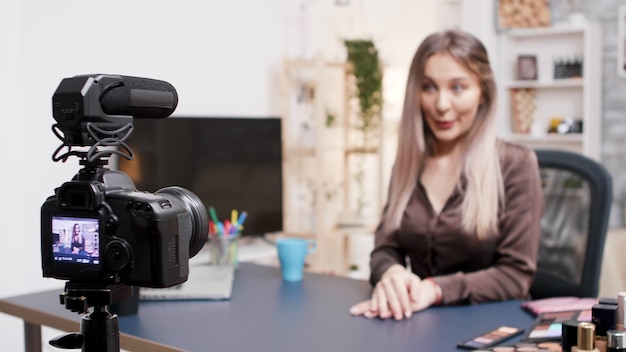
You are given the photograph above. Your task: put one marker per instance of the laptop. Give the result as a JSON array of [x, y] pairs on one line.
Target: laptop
[[205, 282]]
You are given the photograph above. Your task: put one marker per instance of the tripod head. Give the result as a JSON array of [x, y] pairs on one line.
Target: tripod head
[[79, 297], [99, 331]]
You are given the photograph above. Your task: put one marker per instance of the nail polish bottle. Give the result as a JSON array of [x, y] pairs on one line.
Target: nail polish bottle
[[586, 336], [616, 341]]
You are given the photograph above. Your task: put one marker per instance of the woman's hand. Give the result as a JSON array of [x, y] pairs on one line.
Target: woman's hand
[[398, 294]]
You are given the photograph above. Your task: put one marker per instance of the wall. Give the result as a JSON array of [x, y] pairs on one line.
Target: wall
[[613, 101], [220, 55]]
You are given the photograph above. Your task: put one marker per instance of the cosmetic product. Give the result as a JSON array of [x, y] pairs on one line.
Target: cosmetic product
[[616, 341], [569, 334], [490, 338], [603, 317], [585, 340], [621, 311], [504, 349], [547, 326], [607, 300], [529, 347], [550, 346]]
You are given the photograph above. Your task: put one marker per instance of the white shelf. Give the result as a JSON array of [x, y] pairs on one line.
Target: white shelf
[[294, 152], [570, 142], [578, 98], [546, 138], [558, 30], [557, 83]]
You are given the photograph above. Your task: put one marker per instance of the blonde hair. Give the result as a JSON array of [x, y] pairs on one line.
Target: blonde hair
[[484, 193]]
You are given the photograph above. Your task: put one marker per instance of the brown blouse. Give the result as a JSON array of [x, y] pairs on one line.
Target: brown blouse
[[467, 269]]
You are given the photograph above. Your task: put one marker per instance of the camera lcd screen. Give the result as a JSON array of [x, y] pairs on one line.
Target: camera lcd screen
[[75, 240]]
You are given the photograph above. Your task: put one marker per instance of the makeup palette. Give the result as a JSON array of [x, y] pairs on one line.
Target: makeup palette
[[548, 346], [547, 326], [490, 338]]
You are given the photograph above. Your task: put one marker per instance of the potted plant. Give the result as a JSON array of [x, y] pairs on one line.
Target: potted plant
[[366, 69]]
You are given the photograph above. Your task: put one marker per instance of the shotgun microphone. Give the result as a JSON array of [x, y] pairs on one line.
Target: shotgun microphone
[[94, 109], [140, 98]]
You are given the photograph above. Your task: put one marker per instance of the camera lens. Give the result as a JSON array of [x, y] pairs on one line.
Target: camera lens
[[199, 216]]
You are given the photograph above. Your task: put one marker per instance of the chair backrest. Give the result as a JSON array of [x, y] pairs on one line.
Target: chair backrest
[[577, 193]]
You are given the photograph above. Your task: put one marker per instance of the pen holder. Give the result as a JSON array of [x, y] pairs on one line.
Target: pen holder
[[223, 249]]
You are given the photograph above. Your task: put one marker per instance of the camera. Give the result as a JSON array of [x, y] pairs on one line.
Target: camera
[[98, 228]]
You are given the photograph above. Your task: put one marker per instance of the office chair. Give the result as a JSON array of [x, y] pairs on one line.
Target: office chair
[[577, 194]]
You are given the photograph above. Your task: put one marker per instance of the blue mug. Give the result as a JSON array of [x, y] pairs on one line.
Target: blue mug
[[291, 254]]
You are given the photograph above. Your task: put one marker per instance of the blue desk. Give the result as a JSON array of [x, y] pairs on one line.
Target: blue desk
[[267, 314]]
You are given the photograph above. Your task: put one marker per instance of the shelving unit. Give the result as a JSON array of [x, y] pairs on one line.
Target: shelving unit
[[319, 158], [312, 148], [577, 98]]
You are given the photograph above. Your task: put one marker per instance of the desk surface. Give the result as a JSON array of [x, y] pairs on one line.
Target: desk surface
[[267, 314]]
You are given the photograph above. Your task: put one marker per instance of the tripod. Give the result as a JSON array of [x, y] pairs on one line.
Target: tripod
[[99, 330]]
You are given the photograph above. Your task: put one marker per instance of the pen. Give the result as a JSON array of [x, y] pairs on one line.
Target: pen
[[227, 227], [211, 227], [213, 215], [242, 218], [220, 229], [233, 216]]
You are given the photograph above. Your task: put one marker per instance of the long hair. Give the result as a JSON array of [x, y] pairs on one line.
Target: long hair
[[484, 192], [76, 235]]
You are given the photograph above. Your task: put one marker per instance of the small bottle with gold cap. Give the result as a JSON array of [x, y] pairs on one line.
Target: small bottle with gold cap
[[586, 336]]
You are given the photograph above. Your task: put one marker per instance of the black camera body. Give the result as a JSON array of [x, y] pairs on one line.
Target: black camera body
[[98, 228], [129, 237]]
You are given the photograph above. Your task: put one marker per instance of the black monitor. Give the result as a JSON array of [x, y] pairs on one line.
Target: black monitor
[[229, 162]]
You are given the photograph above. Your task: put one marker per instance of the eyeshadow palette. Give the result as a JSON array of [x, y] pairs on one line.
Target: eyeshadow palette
[[547, 326], [527, 347], [490, 338]]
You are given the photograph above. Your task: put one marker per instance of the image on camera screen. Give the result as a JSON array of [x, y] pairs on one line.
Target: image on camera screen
[[75, 240]]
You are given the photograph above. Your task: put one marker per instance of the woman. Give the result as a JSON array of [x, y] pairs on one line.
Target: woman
[[464, 206], [78, 241]]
